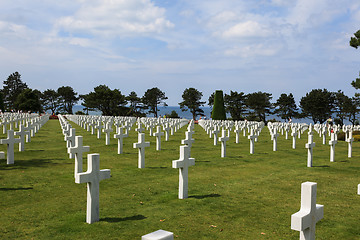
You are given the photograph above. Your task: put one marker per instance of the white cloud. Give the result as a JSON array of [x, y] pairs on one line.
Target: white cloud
[[116, 18], [253, 50], [246, 29], [13, 30]]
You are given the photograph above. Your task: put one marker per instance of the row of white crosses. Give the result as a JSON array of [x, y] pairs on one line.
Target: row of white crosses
[[91, 177], [150, 123], [32, 122], [213, 127]]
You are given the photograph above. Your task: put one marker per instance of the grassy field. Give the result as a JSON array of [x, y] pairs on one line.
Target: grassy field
[[241, 196]]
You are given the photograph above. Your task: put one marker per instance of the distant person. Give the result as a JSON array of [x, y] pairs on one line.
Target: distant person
[[329, 121], [290, 120]]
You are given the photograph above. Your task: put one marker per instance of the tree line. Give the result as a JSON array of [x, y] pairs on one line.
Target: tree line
[[318, 104]]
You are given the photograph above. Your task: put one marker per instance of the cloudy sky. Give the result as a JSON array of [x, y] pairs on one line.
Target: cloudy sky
[[276, 46]]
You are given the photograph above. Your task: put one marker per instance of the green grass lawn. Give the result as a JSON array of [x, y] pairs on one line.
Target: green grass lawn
[[241, 196]]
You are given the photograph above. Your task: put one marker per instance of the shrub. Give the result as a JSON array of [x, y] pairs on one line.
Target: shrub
[[356, 136], [218, 112]]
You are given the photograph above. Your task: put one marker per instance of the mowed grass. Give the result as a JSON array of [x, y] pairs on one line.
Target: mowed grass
[[241, 196]]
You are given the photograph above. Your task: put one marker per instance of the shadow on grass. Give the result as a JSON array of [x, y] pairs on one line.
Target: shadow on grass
[[34, 150], [23, 164], [157, 167], [324, 166], [132, 218], [205, 196], [202, 161], [10, 189]]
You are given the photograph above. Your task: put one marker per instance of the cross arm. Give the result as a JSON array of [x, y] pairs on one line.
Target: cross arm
[[300, 220]]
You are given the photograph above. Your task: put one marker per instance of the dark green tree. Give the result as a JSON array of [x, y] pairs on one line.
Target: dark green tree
[[50, 100], [352, 109], [342, 106], [2, 105], [192, 101], [355, 41], [318, 104], [356, 83], [136, 107], [235, 105], [68, 98], [173, 114], [218, 112], [28, 101], [13, 86], [109, 102], [211, 100], [259, 104], [152, 98], [285, 107]]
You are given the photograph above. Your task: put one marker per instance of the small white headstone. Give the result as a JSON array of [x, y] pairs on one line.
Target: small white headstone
[[158, 235]]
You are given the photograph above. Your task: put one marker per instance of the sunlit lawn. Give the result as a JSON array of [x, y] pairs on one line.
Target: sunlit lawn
[[241, 196]]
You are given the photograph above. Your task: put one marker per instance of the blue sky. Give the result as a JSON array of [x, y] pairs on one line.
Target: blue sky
[[275, 46]]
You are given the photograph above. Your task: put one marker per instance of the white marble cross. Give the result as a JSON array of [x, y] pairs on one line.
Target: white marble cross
[[21, 133], [141, 145], [294, 133], [167, 129], [310, 145], [252, 137], [10, 141], [99, 127], [28, 134], [158, 135], [274, 136], [237, 133], [223, 139], [215, 132], [70, 140], [78, 150], [310, 213], [92, 177], [151, 129], [350, 140], [139, 129], [188, 141], [107, 130], [324, 129], [120, 135], [183, 164], [332, 143], [4, 123]]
